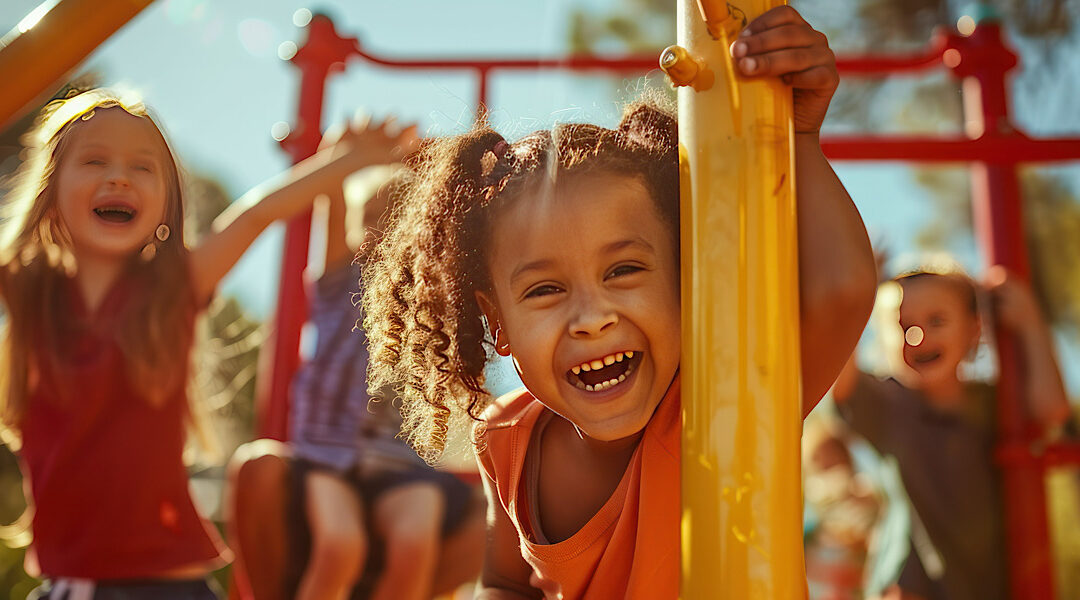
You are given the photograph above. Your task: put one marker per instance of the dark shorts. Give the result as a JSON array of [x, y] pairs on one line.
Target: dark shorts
[[139, 590], [458, 497]]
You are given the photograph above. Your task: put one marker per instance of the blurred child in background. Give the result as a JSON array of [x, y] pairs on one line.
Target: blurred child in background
[[940, 428], [359, 480], [844, 509], [101, 295]]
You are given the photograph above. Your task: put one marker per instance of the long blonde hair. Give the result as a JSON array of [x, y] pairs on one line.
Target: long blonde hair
[[36, 256]]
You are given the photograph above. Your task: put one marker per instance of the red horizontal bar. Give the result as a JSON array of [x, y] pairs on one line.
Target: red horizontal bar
[[583, 62], [865, 65], [879, 66], [862, 65], [1010, 149]]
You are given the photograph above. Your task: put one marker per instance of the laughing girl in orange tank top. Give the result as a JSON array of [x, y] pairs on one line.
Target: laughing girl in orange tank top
[[561, 251]]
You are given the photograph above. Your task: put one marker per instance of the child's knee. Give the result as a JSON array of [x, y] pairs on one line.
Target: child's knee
[[414, 541], [339, 550]]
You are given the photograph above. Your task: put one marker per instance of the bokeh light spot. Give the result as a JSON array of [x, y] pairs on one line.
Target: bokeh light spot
[[301, 17], [965, 25], [951, 58], [914, 335], [280, 130], [286, 50]]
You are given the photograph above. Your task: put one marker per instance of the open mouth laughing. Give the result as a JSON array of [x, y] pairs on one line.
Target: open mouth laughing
[[602, 374], [115, 213]]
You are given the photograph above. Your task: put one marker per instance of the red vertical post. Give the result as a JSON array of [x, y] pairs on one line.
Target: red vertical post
[[323, 53], [984, 63]]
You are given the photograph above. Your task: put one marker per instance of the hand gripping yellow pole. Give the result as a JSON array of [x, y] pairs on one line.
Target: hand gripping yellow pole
[[741, 490], [49, 42]]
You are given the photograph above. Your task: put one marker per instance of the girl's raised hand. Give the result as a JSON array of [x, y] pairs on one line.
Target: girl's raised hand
[[780, 43], [369, 140]]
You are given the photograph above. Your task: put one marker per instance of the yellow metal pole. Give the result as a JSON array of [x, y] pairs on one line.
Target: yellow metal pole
[[741, 490], [50, 42]]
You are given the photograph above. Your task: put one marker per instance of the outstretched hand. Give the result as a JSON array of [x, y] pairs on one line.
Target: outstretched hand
[[1014, 302], [370, 141], [780, 43]]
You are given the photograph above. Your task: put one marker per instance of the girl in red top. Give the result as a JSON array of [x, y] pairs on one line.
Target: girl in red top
[[561, 250], [101, 294]]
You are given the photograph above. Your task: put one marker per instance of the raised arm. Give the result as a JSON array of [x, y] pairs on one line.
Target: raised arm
[[837, 275], [1017, 309], [288, 194]]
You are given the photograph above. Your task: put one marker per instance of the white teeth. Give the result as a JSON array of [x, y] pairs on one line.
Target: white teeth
[[600, 363]]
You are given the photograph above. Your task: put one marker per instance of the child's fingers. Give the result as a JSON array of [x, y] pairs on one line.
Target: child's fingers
[[778, 38], [410, 133], [389, 125], [776, 17], [784, 62], [361, 120], [814, 78], [333, 135]]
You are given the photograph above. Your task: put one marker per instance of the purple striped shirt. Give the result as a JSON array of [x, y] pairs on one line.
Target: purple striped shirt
[[334, 423]]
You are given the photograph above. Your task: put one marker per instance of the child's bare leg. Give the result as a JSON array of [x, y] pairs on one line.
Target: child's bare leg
[[462, 553], [409, 521], [258, 479], [338, 539]]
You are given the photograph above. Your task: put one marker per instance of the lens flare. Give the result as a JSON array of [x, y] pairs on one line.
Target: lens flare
[[914, 336]]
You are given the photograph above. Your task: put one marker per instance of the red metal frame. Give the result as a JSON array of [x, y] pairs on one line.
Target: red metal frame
[[982, 60]]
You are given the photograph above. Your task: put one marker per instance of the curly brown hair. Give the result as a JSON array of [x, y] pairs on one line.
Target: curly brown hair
[[427, 335]]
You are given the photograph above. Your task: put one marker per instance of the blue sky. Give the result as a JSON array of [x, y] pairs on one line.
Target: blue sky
[[211, 72]]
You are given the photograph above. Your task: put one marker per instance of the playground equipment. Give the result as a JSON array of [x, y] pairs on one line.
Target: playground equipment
[[44, 47], [993, 146], [742, 415]]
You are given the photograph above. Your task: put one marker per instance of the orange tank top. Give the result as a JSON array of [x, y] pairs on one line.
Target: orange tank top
[[630, 547]]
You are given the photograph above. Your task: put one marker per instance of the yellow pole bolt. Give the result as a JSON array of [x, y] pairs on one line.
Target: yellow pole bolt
[[49, 43], [741, 488], [684, 70]]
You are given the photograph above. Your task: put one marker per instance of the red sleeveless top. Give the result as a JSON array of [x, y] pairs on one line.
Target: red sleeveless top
[[110, 489]]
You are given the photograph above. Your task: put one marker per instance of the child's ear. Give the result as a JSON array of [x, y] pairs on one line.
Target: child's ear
[[494, 323]]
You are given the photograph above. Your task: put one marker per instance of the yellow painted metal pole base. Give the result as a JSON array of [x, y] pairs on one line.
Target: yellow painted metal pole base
[[741, 489], [51, 41]]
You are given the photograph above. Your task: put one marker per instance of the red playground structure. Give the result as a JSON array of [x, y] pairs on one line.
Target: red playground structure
[[979, 57]]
